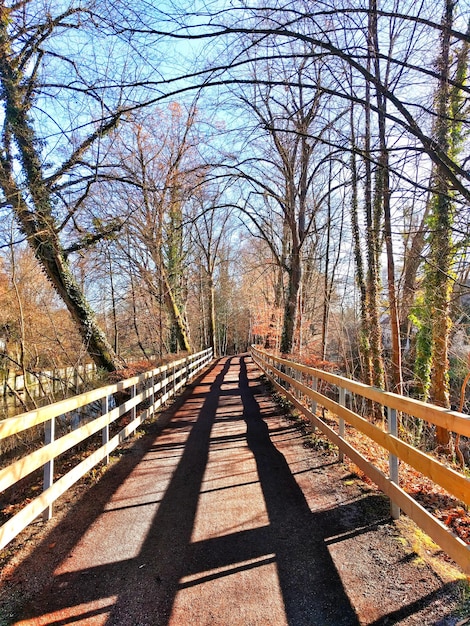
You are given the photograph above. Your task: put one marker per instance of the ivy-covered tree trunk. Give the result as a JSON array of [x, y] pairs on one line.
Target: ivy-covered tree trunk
[[173, 272], [178, 327], [440, 242], [412, 262], [373, 206], [32, 205], [359, 264], [436, 323]]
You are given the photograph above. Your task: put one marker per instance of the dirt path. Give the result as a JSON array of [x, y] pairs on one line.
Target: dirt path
[[224, 517]]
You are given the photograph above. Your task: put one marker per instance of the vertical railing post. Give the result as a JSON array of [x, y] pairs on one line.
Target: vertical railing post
[[299, 377], [105, 429], [393, 460], [152, 396], [164, 373], [342, 402], [174, 380], [48, 475], [313, 403], [133, 410]]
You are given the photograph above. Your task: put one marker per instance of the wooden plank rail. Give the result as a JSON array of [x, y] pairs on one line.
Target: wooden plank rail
[[452, 481], [155, 387]]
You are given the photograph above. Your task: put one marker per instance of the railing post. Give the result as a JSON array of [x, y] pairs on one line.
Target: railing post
[[48, 476], [152, 395], [342, 402], [299, 378], [393, 459], [313, 403], [133, 410], [105, 429], [165, 375]]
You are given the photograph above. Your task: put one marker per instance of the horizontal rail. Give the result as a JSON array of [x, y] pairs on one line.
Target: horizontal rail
[[439, 416], [454, 482], [165, 381], [17, 424]]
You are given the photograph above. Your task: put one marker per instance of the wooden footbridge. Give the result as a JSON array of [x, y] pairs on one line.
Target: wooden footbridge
[[216, 517]]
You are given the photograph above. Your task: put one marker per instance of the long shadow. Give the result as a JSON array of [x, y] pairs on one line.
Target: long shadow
[[149, 591], [312, 589], [398, 616], [77, 588]]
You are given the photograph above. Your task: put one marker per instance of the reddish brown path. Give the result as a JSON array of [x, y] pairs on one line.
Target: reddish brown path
[[216, 519]]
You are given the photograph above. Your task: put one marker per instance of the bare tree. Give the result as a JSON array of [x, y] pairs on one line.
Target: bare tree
[[30, 187]]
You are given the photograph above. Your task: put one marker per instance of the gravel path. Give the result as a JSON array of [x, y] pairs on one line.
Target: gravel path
[[223, 516]]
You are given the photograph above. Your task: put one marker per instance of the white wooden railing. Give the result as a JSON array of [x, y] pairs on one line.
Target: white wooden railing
[[147, 393], [299, 384]]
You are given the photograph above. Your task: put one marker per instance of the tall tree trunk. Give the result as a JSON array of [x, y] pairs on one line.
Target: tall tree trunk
[[326, 291], [35, 215], [412, 262], [48, 250], [373, 214], [113, 305], [290, 309], [134, 307], [177, 321], [448, 137], [383, 196], [212, 318], [359, 263], [272, 337]]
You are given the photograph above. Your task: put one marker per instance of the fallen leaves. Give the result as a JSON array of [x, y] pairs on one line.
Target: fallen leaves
[[432, 497]]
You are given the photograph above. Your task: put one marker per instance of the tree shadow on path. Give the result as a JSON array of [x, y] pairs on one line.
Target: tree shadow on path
[[137, 590], [312, 589]]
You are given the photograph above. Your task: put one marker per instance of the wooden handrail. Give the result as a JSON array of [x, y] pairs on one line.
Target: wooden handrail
[[439, 416]]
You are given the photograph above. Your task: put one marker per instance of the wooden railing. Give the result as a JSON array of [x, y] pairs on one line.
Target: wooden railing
[[146, 393], [299, 384]]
